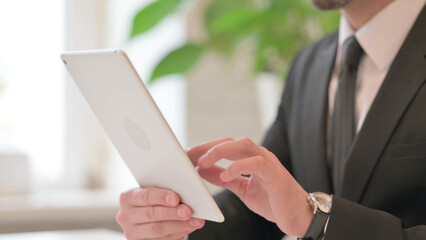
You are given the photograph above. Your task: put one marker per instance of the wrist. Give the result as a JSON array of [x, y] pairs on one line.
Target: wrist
[[321, 208], [306, 218]]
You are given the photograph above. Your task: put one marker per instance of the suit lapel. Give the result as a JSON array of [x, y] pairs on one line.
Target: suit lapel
[[315, 115], [405, 77]]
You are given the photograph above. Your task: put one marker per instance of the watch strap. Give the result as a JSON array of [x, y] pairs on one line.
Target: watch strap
[[316, 228]]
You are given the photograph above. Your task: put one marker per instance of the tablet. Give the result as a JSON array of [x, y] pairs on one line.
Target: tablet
[[136, 127]]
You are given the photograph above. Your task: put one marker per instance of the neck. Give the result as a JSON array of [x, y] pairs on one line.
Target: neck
[[359, 12]]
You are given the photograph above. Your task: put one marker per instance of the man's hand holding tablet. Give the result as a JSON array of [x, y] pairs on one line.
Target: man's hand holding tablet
[[154, 213]]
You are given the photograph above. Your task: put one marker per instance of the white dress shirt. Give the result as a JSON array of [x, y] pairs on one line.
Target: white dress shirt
[[380, 38]]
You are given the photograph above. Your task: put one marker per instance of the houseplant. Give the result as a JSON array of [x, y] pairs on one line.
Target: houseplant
[[276, 28]]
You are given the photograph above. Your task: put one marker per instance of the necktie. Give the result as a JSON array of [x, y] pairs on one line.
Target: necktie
[[343, 119]]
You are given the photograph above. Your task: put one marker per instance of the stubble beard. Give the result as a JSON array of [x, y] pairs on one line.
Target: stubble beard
[[330, 4]]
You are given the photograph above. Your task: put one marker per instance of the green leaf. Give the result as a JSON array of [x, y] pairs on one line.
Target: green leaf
[[178, 61], [152, 14], [233, 21], [218, 8]]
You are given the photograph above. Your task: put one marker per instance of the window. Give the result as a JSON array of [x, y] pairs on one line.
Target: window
[[42, 112], [31, 99]]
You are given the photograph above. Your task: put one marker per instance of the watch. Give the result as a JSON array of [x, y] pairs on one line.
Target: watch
[[321, 205]]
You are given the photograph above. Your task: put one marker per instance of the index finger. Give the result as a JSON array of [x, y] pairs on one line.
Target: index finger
[[231, 150], [196, 152], [142, 197]]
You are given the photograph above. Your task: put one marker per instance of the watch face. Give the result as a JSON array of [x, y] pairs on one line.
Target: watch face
[[323, 201]]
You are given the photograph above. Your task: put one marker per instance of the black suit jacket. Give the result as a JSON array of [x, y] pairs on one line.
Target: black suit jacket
[[383, 193]]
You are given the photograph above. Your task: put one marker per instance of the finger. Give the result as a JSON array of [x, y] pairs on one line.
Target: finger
[[257, 165], [148, 214], [197, 151], [213, 173], [231, 150], [163, 229], [269, 153], [141, 197]]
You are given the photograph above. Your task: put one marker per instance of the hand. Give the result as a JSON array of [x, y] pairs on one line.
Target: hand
[[154, 213], [270, 190]]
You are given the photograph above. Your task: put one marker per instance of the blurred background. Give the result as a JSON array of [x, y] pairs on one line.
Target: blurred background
[[215, 67]]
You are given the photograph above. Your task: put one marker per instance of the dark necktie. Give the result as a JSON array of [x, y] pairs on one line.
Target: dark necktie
[[343, 120]]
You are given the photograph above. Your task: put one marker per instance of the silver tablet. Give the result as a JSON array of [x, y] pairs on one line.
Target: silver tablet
[[136, 127]]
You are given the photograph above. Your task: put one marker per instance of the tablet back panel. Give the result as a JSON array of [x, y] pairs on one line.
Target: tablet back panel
[[136, 127]]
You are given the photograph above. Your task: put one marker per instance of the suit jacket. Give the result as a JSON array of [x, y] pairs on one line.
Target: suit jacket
[[383, 191]]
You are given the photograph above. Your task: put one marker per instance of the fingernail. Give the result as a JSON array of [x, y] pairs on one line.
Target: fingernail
[[182, 212], [224, 176], [170, 199], [194, 222], [201, 162]]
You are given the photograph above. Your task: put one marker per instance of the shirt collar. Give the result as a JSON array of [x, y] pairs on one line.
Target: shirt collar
[[392, 23]]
